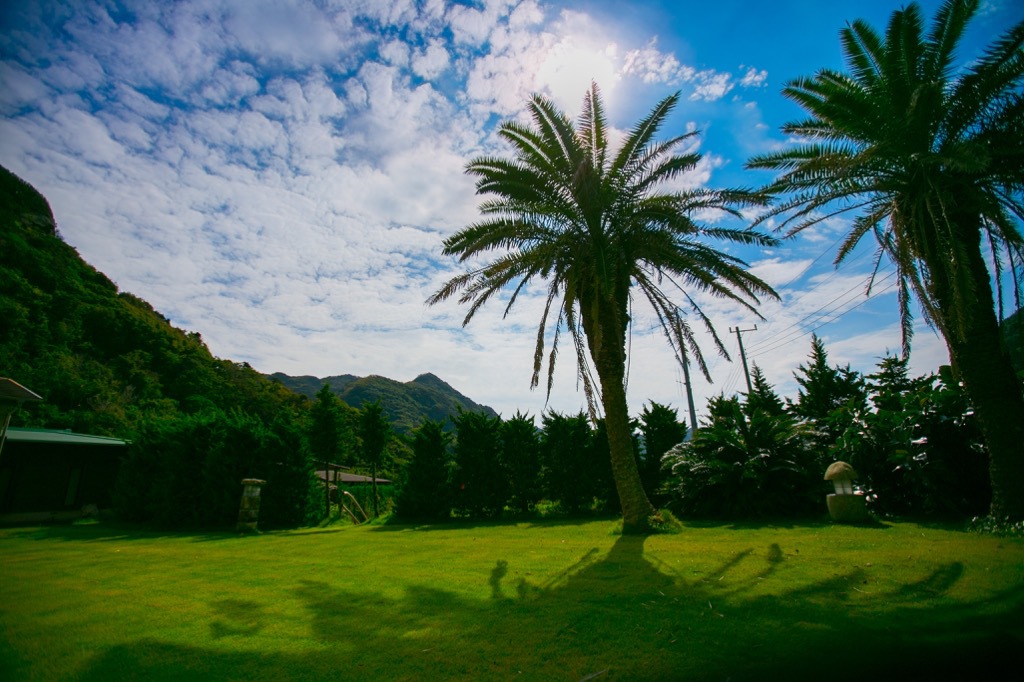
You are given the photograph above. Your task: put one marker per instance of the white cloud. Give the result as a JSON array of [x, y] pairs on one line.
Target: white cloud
[[431, 62], [754, 78], [570, 67], [297, 33], [711, 86], [19, 88], [395, 53], [527, 13], [653, 66], [279, 176], [470, 26]]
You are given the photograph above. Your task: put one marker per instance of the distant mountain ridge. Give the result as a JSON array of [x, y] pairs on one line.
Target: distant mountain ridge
[[406, 404]]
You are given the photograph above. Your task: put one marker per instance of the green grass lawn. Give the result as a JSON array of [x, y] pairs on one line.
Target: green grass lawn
[[546, 601]]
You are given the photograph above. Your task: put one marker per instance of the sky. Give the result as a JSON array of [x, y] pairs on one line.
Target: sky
[[279, 176]]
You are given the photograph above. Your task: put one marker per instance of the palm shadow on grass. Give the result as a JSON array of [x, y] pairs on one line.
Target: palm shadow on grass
[[625, 614], [781, 523]]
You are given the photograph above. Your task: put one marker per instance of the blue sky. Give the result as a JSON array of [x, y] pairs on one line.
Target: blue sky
[[279, 176]]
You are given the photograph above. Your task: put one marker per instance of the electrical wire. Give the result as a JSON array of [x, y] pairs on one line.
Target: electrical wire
[[800, 326], [813, 327]]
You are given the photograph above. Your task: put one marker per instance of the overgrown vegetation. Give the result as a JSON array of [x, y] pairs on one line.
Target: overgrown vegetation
[[915, 443]]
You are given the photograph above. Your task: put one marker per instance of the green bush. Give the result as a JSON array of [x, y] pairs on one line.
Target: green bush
[[920, 451], [188, 472], [748, 460], [520, 455]]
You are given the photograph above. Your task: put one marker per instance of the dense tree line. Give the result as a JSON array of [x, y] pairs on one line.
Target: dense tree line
[[187, 471], [489, 467], [915, 443]]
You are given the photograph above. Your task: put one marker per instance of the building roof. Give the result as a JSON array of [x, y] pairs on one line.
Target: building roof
[[11, 390], [20, 435], [343, 477]]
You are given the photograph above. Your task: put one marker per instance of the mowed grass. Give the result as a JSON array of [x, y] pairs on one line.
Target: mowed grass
[[544, 601]]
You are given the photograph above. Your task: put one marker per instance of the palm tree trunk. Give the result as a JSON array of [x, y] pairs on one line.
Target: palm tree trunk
[[995, 391], [609, 361], [636, 508]]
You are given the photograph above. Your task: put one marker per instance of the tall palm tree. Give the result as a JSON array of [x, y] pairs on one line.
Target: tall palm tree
[[931, 159], [593, 225]]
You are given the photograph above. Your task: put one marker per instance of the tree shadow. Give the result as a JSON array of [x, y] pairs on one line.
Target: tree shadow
[[776, 524], [399, 524], [237, 617], [110, 530], [626, 613]]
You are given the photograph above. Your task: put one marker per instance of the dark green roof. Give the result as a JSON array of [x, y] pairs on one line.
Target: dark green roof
[[62, 437]]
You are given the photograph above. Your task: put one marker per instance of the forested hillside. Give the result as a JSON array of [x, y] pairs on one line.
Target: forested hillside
[[405, 404], [104, 360]]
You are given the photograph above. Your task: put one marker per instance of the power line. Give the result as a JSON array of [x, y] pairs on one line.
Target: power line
[[814, 327], [802, 325], [835, 273], [854, 288]]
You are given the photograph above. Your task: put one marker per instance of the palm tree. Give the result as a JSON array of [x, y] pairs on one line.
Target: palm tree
[[931, 158], [593, 226]]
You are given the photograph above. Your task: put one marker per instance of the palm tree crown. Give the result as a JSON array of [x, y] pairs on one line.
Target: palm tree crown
[[931, 158], [593, 225]]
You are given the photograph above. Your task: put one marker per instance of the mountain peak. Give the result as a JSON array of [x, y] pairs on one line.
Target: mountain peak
[[406, 404], [428, 379]]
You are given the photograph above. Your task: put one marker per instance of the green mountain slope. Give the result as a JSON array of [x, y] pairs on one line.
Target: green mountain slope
[[103, 360], [406, 404]]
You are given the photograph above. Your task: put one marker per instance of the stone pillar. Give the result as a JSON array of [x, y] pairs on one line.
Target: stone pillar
[[249, 509], [847, 508]]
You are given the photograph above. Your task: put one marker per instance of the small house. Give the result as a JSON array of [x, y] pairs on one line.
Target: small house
[[53, 471]]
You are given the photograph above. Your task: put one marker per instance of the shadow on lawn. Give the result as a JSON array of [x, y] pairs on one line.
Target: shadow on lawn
[[117, 530], [769, 524], [395, 524], [622, 615], [101, 531]]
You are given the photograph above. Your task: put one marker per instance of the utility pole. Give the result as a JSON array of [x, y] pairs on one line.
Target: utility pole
[[743, 356], [689, 393]]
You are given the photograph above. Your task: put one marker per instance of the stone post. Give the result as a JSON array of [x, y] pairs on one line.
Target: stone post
[[249, 508]]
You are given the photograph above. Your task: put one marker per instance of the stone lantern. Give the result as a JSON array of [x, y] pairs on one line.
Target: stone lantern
[[844, 506], [249, 508]]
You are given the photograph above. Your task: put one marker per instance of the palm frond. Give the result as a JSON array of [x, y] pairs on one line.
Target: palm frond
[[863, 49], [641, 134], [592, 126], [949, 24]]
